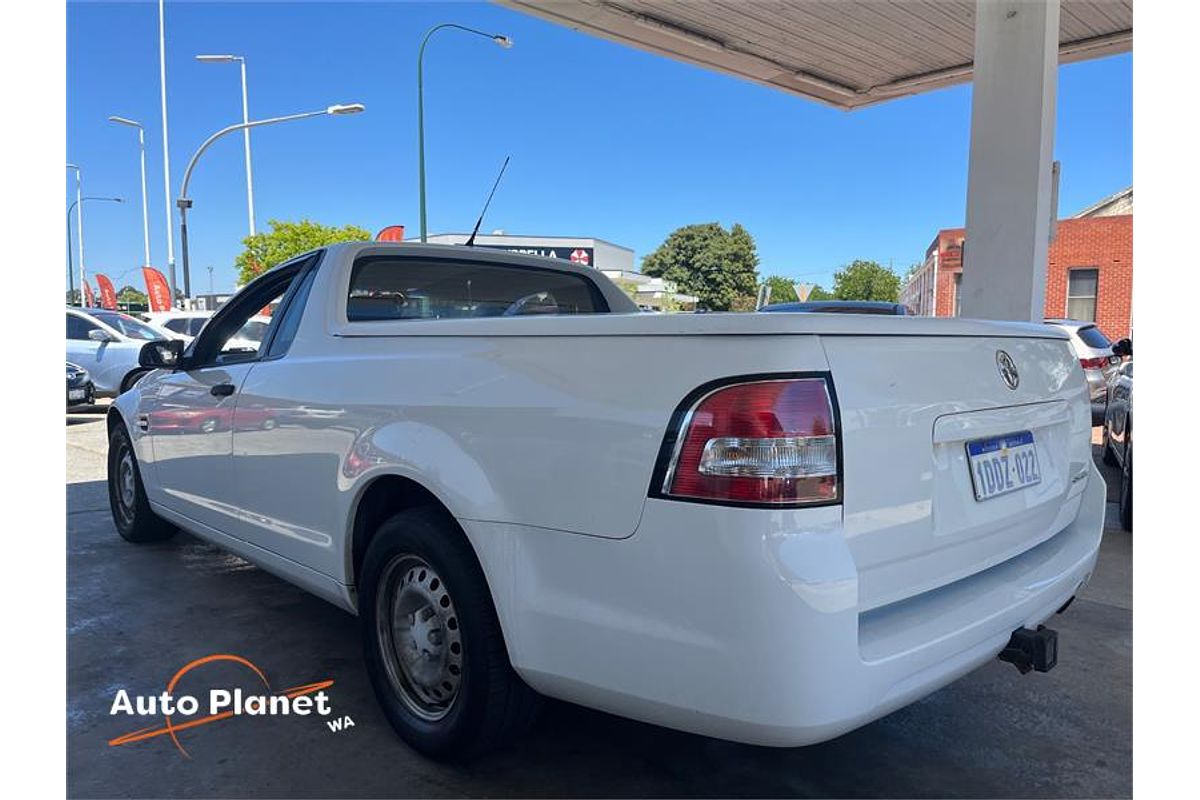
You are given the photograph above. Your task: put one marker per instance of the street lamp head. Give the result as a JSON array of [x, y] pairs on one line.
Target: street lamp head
[[218, 59], [503, 41], [350, 108], [124, 121]]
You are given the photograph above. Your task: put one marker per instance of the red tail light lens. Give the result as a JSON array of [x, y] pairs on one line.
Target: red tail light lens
[[1093, 363], [771, 442]]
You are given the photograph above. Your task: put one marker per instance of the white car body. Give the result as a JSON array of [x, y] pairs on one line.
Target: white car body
[[546, 436]]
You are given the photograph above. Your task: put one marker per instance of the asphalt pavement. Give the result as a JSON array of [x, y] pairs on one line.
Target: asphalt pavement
[[137, 614]]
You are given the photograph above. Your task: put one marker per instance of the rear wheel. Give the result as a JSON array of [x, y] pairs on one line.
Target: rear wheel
[[127, 496], [1126, 505], [432, 641]]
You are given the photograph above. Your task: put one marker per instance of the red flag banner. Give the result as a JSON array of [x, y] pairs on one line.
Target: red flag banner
[[89, 299], [157, 289], [392, 233], [108, 295]]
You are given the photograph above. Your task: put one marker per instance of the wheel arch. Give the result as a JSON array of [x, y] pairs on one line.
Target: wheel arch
[[380, 497]]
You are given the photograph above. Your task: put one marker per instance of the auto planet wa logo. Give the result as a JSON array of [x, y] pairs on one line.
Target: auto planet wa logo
[[182, 712]]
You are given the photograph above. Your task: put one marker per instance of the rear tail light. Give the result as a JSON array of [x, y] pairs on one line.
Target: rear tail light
[[763, 442], [1093, 363]]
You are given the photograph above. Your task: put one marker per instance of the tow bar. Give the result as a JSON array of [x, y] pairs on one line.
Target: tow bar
[[1032, 649]]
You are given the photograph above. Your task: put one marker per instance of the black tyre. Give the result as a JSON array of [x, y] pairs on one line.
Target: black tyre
[[127, 496], [433, 645], [1109, 457], [1126, 504], [131, 379]]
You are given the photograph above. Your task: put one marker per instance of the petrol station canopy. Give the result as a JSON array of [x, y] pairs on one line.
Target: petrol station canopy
[[846, 53]]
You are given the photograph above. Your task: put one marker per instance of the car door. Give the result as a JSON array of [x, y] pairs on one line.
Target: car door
[[190, 418], [286, 450], [89, 353]]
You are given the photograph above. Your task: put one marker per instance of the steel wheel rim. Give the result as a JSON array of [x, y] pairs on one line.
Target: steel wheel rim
[[419, 636], [126, 488]]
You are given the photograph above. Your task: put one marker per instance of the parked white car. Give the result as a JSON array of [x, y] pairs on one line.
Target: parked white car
[[180, 323], [780, 528], [186, 325], [107, 344]]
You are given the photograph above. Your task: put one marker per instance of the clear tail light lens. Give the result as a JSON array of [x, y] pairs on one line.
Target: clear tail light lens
[[762, 442]]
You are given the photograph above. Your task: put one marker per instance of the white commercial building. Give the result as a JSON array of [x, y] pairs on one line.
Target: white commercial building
[[584, 250], [615, 261]]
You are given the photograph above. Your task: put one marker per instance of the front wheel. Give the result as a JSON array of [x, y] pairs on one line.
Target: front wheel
[[432, 641], [127, 496]]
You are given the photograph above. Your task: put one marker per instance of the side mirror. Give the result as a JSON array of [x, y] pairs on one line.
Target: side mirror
[[97, 335], [1123, 348], [162, 354]]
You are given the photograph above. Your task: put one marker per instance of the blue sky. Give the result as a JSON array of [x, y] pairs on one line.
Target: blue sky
[[605, 141]]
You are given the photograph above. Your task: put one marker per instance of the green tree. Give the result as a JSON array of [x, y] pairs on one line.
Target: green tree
[[866, 280], [720, 267], [819, 293], [288, 239], [131, 296], [782, 290]]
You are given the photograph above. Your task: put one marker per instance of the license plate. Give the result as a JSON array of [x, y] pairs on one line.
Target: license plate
[[1003, 464], [75, 394]]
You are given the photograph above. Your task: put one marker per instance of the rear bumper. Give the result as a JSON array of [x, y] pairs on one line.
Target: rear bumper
[[744, 624]]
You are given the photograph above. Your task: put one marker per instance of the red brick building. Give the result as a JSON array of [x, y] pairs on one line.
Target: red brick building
[[1089, 274]]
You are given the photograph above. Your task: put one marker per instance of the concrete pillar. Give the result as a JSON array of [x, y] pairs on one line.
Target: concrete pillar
[[1009, 178]]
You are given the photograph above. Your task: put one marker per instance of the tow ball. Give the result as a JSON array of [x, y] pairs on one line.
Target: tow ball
[[1032, 649]]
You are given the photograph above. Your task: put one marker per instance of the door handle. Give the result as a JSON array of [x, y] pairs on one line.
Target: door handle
[[221, 390]]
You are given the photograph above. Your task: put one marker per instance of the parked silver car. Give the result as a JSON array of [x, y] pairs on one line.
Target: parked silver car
[[107, 344], [1095, 354]]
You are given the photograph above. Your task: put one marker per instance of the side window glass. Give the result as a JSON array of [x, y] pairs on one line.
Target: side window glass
[[289, 323], [77, 327], [238, 331]]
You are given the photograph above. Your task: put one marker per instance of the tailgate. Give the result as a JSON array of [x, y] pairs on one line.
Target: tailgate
[[909, 406]]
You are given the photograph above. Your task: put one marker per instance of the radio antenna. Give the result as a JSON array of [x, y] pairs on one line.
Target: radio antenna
[[471, 241]]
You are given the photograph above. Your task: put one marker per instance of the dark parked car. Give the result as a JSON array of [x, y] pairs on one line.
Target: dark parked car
[[1118, 428], [80, 390], [843, 307]]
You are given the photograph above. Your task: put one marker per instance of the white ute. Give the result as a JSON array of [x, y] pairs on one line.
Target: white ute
[[771, 528]]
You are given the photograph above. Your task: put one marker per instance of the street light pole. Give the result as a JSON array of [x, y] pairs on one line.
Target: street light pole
[[145, 213], [184, 203], [162, 81], [241, 60], [499, 39], [70, 267], [79, 219]]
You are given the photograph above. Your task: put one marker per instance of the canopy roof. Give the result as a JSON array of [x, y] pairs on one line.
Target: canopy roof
[[847, 53]]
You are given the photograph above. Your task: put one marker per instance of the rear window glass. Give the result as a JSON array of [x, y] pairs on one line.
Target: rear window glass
[[1093, 337], [388, 288]]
